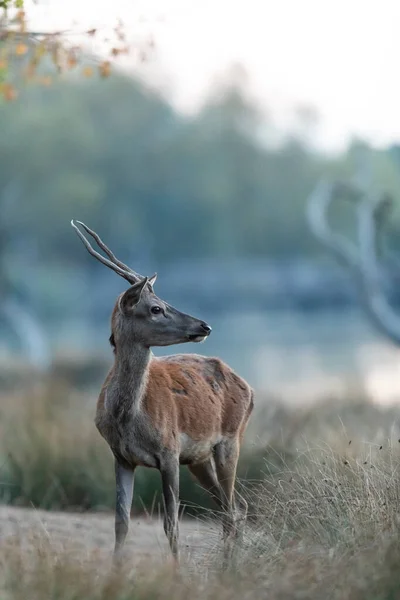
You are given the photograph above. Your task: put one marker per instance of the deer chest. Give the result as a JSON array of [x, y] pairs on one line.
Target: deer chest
[[133, 443]]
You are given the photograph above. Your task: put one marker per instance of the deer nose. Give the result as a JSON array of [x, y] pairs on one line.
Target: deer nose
[[206, 327]]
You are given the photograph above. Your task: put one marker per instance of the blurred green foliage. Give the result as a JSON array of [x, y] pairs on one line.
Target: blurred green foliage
[[155, 183]]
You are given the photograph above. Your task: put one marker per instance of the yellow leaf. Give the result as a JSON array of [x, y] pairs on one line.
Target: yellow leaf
[[3, 64], [105, 68], [88, 71], [46, 80], [9, 92], [71, 61], [21, 49], [20, 18]]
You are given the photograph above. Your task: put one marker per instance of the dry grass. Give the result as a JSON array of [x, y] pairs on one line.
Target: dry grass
[[326, 529], [324, 519], [37, 545], [326, 526], [52, 456]]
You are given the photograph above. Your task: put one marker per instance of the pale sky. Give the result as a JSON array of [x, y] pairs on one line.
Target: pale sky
[[340, 56]]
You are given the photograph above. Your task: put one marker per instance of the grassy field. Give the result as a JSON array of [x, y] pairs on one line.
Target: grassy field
[[322, 483]]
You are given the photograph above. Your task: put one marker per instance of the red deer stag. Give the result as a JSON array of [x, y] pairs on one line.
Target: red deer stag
[[162, 412], [361, 257]]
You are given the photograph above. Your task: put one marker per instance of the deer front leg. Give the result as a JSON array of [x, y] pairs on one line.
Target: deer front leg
[[170, 486], [124, 492]]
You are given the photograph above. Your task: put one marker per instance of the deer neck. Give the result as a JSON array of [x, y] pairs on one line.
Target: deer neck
[[130, 376]]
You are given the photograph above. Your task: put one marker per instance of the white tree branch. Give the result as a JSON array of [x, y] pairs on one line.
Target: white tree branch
[[378, 306], [361, 259]]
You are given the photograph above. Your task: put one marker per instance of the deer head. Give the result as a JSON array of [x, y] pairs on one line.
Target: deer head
[[139, 316]]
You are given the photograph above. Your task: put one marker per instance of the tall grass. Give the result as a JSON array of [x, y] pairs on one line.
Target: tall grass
[[326, 529], [52, 456], [323, 488]]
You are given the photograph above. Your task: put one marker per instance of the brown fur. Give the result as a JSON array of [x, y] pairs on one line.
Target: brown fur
[[188, 394], [216, 402]]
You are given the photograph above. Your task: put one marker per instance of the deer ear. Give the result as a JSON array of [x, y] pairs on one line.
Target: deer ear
[[131, 297], [152, 280]]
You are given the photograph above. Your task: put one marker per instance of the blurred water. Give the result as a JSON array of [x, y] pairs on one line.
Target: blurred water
[[301, 355], [296, 355]]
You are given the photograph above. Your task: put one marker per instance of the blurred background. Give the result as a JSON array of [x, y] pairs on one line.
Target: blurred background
[[195, 159]]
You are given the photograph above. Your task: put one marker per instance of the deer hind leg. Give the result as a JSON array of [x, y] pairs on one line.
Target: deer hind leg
[[170, 486], [206, 475], [226, 455], [124, 479]]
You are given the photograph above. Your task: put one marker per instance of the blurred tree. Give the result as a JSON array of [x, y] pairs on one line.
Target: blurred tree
[[14, 308], [156, 185]]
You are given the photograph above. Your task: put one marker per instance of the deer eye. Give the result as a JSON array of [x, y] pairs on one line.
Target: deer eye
[[156, 310]]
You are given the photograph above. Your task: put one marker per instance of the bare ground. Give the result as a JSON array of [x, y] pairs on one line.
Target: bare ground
[[92, 534]]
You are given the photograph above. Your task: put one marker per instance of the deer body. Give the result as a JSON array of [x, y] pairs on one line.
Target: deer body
[[183, 409], [188, 405]]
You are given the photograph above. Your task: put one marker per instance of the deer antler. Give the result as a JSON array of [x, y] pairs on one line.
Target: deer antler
[[114, 264], [105, 248], [362, 259]]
